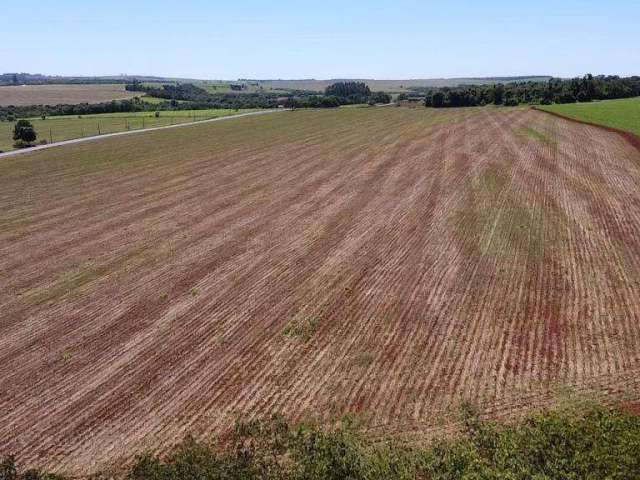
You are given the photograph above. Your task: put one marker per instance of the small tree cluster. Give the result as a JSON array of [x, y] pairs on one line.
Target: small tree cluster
[[24, 134]]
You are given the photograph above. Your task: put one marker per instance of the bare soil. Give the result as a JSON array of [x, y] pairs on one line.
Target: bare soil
[[387, 262], [62, 94]]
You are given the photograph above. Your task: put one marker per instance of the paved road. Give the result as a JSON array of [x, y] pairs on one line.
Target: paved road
[[132, 132]]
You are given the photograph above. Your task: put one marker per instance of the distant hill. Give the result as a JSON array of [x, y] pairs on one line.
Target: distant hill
[[302, 84], [394, 85], [38, 79]]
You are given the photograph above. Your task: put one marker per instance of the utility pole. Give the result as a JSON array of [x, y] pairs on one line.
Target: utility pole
[[50, 136]]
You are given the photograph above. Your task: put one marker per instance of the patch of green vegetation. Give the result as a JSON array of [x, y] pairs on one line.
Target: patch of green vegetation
[[363, 359], [68, 282], [486, 187], [9, 471], [67, 127], [586, 442], [152, 100], [536, 135], [495, 215], [301, 327], [623, 114]]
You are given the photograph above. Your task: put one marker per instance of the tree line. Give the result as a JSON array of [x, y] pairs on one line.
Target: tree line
[[340, 93], [555, 90], [39, 79], [11, 113], [187, 96]]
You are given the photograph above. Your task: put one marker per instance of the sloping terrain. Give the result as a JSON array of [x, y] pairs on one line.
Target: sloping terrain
[[622, 114], [57, 94], [389, 262], [394, 85]]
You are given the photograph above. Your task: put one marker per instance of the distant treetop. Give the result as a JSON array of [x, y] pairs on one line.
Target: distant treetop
[[347, 89]]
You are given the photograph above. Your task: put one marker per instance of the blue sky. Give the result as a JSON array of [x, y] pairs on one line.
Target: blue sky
[[328, 39]]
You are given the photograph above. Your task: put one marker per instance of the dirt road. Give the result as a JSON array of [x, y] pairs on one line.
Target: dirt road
[[129, 132]]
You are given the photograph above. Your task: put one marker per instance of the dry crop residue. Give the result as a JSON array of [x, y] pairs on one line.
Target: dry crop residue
[[389, 262]]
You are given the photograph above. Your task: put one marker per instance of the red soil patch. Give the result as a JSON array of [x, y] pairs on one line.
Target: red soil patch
[[631, 407], [146, 283]]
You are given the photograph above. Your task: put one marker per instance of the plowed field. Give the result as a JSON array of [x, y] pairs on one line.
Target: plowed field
[[58, 94], [389, 262]]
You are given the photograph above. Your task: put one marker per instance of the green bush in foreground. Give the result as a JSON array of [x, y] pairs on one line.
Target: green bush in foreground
[[590, 443]]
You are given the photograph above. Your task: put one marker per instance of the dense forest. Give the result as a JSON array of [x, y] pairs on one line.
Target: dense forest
[[555, 90]]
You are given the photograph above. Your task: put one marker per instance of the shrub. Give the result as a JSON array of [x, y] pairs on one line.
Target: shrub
[[329, 102], [589, 442], [583, 97], [565, 98], [21, 144], [302, 327], [24, 132]]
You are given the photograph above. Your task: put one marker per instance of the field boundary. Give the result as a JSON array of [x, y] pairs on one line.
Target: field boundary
[[632, 138], [131, 132]]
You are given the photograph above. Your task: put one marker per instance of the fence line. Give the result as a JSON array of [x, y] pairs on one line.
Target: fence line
[[50, 132]]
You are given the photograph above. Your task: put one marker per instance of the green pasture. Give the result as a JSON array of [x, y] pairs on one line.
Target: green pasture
[[56, 129], [623, 114]]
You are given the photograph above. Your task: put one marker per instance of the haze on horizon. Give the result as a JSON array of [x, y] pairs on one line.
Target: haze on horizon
[[407, 39]]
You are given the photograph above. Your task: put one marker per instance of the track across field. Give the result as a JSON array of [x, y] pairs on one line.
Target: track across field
[[386, 262]]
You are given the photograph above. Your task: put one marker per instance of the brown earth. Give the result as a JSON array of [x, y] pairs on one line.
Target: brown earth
[[62, 94], [389, 262], [628, 136]]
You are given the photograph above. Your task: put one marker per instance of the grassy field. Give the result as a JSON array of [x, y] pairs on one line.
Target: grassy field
[[55, 129], [58, 94], [382, 262], [154, 100], [623, 114]]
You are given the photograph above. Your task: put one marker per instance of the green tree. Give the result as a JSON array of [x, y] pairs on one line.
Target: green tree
[[498, 94], [24, 132], [438, 100]]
